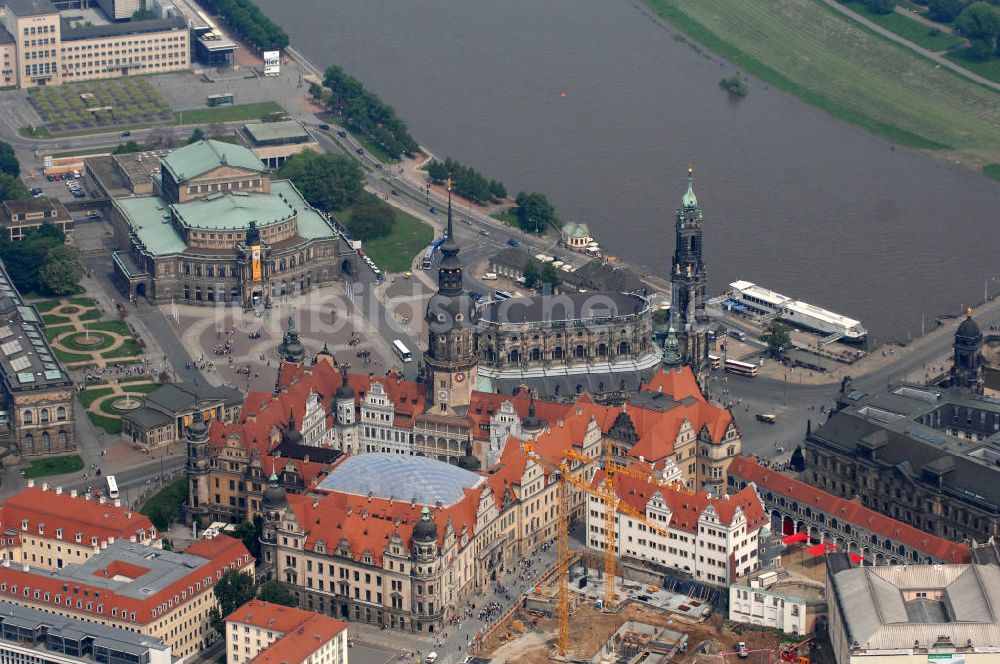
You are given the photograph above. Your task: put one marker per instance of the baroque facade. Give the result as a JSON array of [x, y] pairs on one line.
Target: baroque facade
[[218, 229], [688, 280]]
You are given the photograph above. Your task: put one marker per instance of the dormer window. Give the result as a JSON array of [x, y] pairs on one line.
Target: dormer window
[[79, 537], [24, 524], [59, 533], [41, 529]]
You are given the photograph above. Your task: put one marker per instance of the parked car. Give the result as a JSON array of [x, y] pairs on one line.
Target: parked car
[[342, 133], [126, 133], [513, 243], [360, 150], [742, 649], [433, 210], [324, 127], [767, 418], [483, 231]]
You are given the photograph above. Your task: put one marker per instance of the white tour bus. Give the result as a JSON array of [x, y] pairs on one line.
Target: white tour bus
[[401, 350]]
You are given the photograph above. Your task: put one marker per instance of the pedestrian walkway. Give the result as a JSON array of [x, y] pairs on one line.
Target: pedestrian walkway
[[80, 338]]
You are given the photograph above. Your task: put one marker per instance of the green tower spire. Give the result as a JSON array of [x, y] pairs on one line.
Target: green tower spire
[[689, 200], [671, 349]]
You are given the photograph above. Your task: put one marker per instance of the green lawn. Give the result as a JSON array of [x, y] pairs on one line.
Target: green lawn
[[835, 63], [374, 148], [907, 28], [164, 506], [57, 465], [992, 171], [92, 394], [227, 113], [112, 425], [395, 252], [989, 69], [83, 152]]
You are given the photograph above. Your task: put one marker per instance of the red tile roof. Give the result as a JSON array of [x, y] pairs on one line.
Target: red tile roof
[[851, 511], [303, 631], [367, 524], [223, 553], [687, 507], [74, 515]]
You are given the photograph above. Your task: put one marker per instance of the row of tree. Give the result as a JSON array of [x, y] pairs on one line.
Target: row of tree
[[466, 181], [11, 187], [41, 262], [980, 23], [250, 23], [235, 589], [346, 96], [535, 275]]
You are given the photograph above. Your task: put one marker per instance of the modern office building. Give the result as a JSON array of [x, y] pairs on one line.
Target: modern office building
[[37, 49], [31, 636], [275, 142]]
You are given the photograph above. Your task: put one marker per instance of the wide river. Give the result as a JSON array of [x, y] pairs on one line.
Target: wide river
[[603, 109]]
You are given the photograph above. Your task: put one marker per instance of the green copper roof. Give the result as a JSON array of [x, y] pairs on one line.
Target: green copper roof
[[233, 211], [689, 200], [150, 220], [671, 349], [575, 229], [312, 224], [193, 160], [273, 132]]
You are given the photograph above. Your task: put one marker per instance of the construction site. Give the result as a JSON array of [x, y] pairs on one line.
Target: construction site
[[592, 607], [647, 625]]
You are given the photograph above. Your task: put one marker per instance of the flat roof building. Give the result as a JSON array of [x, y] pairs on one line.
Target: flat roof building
[[30, 636], [275, 142], [21, 215], [894, 614]]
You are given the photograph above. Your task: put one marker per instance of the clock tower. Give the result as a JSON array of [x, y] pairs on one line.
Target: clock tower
[[452, 354], [688, 279]]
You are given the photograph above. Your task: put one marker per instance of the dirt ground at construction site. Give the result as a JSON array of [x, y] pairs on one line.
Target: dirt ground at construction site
[[590, 628]]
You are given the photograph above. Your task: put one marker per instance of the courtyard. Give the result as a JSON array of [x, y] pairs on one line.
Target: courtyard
[[102, 103], [80, 337], [105, 402], [241, 348]]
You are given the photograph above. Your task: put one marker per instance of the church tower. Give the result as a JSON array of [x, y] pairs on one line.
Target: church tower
[[967, 367], [198, 467], [688, 280], [452, 355]]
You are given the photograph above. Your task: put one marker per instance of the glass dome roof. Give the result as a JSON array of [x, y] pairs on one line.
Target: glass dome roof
[[427, 481]]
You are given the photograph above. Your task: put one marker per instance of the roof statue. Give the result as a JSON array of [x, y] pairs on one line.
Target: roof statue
[[689, 200]]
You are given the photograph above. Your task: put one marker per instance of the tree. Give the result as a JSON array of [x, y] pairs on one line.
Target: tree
[[125, 148], [798, 460], [8, 160], [61, 271], [777, 338], [161, 139], [371, 218], [11, 187], [143, 15], [196, 135], [24, 258], [980, 22], [549, 275], [945, 11], [531, 274], [328, 181], [881, 6], [250, 533], [276, 593], [534, 212], [232, 591]]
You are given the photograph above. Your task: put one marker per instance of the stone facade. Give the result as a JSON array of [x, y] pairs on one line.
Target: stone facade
[[231, 235], [688, 279]]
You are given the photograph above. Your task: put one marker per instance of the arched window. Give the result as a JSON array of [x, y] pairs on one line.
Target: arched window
[[61, 413], [602, 350], [536, 354], [45, 440], [623, 348], [579, 352], [27, 417], [43, 416], [29, 442], [557, 353], [63, 438]]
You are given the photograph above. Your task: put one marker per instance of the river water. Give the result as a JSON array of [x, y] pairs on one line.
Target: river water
[[603, 108]]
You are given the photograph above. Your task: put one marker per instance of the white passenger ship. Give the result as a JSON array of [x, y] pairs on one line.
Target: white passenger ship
[[802, 314]]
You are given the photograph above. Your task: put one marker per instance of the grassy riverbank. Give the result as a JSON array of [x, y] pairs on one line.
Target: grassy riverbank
[[826, 59]]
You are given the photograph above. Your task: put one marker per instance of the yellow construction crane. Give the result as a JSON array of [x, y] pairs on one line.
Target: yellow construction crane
[[612, 505]]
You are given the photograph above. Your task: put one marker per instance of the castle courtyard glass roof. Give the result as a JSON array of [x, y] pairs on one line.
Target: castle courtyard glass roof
[[427, 481]]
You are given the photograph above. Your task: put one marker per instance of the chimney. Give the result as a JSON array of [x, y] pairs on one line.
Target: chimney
[[86, 496], [102, 500], [26, 568], [370, 494], [132, 539], [642, 459], [118, 502], [349, 510], [559, 422], [45, 486], [58, 490], [73, 493], [31, 483]]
